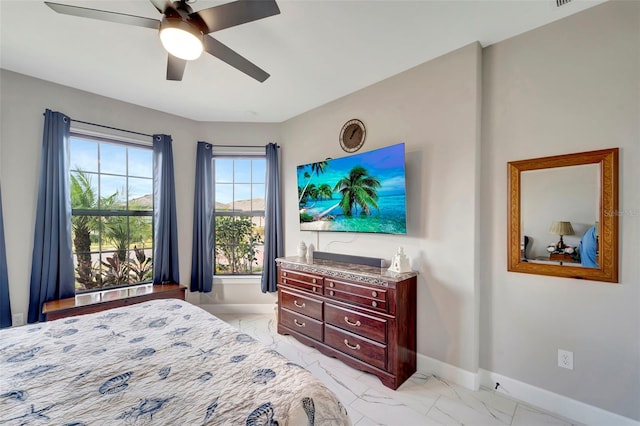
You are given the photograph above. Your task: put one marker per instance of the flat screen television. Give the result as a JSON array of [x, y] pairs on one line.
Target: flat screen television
[[364, 192]]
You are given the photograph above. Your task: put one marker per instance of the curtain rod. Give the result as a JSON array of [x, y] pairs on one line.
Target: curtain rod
[[112, 128], [146, 134], [240, 146]]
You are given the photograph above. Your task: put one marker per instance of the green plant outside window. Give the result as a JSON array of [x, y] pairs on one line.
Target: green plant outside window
[[112, 212], [239, 215]]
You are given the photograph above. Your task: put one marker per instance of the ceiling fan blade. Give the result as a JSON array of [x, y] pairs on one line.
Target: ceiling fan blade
[[222, 52], [104, 15], [175, 68], [161, 5], [235, 13]]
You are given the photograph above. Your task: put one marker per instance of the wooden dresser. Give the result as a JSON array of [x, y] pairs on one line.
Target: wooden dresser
[[364, 316]]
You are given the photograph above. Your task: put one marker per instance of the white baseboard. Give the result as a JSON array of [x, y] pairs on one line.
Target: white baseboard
[[256, 308], [553, 402], [448, 372], [538, 397]]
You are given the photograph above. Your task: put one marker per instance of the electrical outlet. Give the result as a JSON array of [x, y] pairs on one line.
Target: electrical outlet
[[17, 319], [565, 359]]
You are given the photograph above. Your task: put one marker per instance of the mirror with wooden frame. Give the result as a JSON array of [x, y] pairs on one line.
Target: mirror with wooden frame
[[572, 197]]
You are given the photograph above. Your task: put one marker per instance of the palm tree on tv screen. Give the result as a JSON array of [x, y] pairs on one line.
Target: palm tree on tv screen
[[317, 169], [358, 189], [324, 192]]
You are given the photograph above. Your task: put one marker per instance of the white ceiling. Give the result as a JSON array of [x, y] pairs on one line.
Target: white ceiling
[[315, 50]]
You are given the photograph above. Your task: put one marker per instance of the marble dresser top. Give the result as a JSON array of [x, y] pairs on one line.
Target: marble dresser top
[[351, 271]]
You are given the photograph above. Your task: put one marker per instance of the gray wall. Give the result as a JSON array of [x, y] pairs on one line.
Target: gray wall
[[570, 86], [567, 87], [434, 109]]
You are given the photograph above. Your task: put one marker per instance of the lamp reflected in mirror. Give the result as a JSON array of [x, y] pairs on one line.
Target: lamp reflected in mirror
[[562, 229]]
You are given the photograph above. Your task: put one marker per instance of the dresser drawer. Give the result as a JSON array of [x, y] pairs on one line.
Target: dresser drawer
[[302, 304], [352, 293], [301, 323], [366, 350], [301, 280], [361, 324]]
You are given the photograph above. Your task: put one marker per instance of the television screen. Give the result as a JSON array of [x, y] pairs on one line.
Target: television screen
[[364, 192]]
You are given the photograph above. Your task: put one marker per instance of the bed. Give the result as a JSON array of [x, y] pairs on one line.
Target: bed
[[158, 362]]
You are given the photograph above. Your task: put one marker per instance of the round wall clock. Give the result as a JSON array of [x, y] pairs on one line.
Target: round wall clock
[[352, 135]]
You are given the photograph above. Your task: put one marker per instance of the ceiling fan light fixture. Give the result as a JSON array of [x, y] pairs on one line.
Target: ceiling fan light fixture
[[181, 39]]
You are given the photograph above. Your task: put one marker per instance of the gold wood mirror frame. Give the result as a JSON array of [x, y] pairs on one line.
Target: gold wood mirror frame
[[607, 269]]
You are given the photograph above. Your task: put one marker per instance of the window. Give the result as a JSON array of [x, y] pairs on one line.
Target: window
[[112, 212], [239, 214]]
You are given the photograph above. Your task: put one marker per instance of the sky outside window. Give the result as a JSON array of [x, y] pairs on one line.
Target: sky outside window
[[239, 179]]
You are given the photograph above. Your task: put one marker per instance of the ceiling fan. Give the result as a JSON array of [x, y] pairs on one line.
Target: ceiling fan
[[184, 33]]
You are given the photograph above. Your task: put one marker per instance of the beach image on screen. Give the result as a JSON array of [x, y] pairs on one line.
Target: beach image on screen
[[364, 192]]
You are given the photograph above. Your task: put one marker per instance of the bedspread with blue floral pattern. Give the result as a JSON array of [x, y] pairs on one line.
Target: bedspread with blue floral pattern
[[162, 362]]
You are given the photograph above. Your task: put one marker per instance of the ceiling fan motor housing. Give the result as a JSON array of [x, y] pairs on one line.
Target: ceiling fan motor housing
[[181, 7]]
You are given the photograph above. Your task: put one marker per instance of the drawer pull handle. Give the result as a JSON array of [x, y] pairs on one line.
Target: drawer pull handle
[[295, 302], [314, 281], [374, 304], [284, 281], [299, 324], [356, 324], [374, 293], [315, 289], [355, 348], [331, 293], [284, 274], [331, 284]]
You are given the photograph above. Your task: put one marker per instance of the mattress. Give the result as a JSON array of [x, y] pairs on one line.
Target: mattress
[[163, 362]]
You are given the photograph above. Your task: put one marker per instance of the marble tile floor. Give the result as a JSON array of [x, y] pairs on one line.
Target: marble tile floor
[[424, 399]]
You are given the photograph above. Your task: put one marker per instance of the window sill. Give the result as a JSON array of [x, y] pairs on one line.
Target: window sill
[[237, 279]]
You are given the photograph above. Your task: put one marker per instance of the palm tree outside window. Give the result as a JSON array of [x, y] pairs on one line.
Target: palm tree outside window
[[112, 212]]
